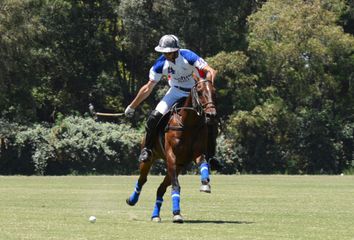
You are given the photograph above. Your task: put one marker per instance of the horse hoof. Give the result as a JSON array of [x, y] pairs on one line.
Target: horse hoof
[[156, 219], [129, 202], [205, 188], [177, 219]]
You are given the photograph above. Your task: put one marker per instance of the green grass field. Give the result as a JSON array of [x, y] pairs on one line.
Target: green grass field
[[239, 207]]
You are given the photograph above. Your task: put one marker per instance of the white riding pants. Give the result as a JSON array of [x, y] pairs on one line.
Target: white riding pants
[[171, 96]]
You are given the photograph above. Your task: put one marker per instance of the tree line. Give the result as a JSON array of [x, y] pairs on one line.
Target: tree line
[[284, 89]]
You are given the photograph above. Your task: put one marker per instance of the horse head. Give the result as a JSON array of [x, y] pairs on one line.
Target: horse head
[[203, 94]]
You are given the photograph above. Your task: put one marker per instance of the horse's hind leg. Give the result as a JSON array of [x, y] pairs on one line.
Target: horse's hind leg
[[144, 170], [159, 198]]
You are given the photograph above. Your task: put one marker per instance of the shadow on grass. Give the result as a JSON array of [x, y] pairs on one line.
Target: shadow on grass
[[217, 222]]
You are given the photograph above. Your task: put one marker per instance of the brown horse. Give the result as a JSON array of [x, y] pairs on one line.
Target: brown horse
[[185, 139]]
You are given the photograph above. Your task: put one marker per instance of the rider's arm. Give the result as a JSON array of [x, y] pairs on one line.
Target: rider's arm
[[143, 93], [210, 73]]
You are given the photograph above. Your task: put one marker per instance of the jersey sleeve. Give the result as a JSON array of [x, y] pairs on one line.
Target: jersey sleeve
[[155, 72], [154, 75], [193, 59]]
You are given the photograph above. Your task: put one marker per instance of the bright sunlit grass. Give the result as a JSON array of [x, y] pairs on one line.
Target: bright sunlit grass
[[239, 207]]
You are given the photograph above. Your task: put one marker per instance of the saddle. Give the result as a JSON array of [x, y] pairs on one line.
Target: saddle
[[162, 124]]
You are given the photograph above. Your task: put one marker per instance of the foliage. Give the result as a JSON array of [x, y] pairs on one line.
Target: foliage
[[321, 141], [234, 83], [86, 145], [20, 29], [304, 100], [229, 155], [263, 134], [80, 57], [300, 56], [75, 146], [12, 159], [284, 85]]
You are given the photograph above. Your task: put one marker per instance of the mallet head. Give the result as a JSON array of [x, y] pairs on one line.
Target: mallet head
[[92, 111]]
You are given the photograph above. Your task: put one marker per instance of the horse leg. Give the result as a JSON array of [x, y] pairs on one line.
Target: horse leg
[[144, 170], [159, 198], [204, 174], [175, 195], [176, 189]]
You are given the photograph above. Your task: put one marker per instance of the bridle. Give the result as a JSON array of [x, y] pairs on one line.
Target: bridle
[[197, 105]]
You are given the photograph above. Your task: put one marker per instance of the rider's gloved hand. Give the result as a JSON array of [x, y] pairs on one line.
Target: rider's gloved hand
[[129, 111]]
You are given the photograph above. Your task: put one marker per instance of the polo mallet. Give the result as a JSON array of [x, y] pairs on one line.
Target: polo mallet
[[101, 114]]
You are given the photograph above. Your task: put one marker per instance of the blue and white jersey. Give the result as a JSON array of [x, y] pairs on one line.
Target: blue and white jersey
[[179, 73]]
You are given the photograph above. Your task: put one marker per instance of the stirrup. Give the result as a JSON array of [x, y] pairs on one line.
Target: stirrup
[[145, 155]]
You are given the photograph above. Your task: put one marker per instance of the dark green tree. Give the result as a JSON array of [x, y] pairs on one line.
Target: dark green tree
[[80, 55], [20, 29], [304, 63]]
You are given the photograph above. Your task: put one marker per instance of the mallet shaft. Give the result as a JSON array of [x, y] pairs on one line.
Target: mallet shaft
[[109, 114]]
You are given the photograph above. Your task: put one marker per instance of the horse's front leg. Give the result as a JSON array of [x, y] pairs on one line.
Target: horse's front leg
[[176, 189], [144, 170], [204, 173], [200, 148], [159, 198]]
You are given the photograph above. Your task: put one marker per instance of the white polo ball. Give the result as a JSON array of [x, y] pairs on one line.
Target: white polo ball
[[92, 219]]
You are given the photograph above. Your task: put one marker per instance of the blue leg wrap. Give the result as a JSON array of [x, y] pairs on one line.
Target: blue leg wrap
[[157, 207], [135, 195], [175, 202], [204, 172]]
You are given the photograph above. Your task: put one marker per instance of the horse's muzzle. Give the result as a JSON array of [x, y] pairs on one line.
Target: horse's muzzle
[[211, 118]]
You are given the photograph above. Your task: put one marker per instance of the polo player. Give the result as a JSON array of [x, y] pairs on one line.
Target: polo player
[[179, 66]]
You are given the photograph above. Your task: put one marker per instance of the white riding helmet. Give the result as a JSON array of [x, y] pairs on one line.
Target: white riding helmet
[[168, 43]]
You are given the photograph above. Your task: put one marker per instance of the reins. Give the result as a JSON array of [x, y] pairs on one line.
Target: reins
[[196, 104], [197, 107]]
